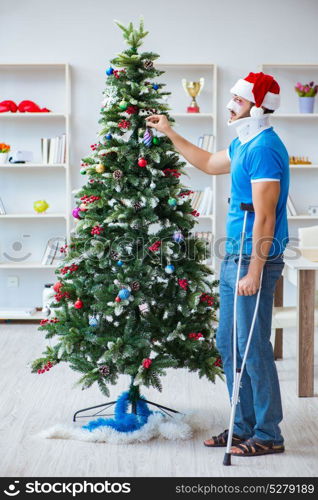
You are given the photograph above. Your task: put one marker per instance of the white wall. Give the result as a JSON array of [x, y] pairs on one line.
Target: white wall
[[237, 36]]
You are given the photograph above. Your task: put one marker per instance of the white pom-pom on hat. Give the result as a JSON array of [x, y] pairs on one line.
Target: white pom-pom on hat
[[256, 112]]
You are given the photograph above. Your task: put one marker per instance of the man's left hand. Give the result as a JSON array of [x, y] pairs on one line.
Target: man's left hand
[[248, 285]]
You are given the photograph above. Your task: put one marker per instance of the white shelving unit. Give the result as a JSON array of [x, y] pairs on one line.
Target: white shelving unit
[[48, 85], [193, 125], [298, 131]]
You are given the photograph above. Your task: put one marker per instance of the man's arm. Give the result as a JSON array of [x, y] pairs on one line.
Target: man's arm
[[265, 196], [210, 163]]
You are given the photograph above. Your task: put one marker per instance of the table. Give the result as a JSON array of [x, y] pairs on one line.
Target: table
[[301, 272]]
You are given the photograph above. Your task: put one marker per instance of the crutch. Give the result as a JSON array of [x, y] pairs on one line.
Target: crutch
[[238, 372]]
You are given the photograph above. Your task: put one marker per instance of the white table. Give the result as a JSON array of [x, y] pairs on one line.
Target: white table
[[302, 273]]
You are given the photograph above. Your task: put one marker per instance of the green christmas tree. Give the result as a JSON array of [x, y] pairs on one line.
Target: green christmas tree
[[133, 295]]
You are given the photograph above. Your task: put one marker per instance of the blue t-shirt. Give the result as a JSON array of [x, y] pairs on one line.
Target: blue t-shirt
[[262, 158]]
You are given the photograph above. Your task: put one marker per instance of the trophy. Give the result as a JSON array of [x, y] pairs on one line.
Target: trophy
[[193, 89]]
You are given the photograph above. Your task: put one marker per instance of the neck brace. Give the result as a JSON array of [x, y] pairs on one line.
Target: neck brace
[[249, 127]]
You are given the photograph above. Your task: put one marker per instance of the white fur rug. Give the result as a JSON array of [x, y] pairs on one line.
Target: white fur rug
[[178, 427]]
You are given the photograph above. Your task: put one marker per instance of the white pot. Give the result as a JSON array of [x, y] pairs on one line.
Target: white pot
[[3, 158]]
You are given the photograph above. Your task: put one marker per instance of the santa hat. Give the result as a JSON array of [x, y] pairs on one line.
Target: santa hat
[[259, 88]]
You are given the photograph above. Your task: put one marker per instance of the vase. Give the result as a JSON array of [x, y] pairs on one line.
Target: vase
[[3, 158], [306, 104]]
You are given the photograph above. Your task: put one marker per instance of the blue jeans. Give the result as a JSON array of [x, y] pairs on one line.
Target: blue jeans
[[259, 409]]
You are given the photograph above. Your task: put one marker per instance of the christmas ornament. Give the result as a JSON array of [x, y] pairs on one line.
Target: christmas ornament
[[155, 86], [195, 213], [46, 367], [183, 283], [123, 104], [120, 263], [148, 64], [83, 171], [172, 202], [155, 246], [111, 96], [142, 162], [117, 174], [173, 172], [117, 299], [208, 299], [147, 139], [100, 168], [132, 110], [144, 308], [40, 206], [135, 285], [169, 268], [57, 286], [152, 185], [104, 370], [147, 362], [124, 124], [97, 230], [108, 137], [93, 321], [78, 304], [155, 140], [178, 237], [75, 213], [109, 71], [195, 336], [124, 294]]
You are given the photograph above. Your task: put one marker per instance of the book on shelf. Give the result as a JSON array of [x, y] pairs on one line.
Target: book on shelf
[[53, 149], [206, 141], [52, 254], [291, 210], [2, 209], [202, 201]]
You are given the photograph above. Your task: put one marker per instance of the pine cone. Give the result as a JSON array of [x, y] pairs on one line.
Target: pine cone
[[114, 255], [117, 174], [104, 370], [137, 205], [148, 64], [135, 285]]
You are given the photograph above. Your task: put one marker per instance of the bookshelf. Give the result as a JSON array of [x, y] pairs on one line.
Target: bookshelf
[[24, 233], [194, 125], [298, 132]]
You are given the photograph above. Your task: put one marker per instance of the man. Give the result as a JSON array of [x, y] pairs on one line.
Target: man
[[259, 165]]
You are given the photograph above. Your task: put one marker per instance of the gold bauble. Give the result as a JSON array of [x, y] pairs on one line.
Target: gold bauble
[[100, 168]]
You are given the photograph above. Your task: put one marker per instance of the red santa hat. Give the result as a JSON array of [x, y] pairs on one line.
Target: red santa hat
[[259, 88]]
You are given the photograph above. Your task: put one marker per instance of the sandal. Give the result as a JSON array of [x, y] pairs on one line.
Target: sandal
[[252, 447], [221, 439]]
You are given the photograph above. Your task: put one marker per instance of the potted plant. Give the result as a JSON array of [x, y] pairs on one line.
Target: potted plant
[[306, 94], [4, 150]]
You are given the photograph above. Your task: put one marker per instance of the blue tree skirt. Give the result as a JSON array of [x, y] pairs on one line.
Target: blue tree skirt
[[123, 421]]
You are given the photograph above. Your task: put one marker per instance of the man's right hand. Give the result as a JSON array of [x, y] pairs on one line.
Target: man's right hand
[[159, 122]]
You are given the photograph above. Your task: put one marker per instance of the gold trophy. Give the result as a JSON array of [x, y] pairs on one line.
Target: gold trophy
[[193, 89]]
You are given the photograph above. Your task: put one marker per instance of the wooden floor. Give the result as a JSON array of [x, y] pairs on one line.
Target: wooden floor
[[30, 403]]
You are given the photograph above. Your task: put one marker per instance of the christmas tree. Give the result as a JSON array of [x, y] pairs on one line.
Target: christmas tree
[[134, 295]]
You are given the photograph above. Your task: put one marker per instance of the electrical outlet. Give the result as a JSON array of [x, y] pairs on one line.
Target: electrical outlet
[[12, 281]]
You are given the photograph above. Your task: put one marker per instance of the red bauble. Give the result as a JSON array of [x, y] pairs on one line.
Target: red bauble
[[142, 162], [117, 299], [78, 304], [57, 286]]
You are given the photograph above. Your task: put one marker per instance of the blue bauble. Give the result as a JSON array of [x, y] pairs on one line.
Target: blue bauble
[[155, 86], [178, 237], [108, 137], [109, 71], [124, 294], [169, 269], [120, 263], [172, 202], [93, 321]]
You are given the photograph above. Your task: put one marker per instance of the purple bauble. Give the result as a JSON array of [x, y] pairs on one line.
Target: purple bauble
[[178, 237], [75, 213]]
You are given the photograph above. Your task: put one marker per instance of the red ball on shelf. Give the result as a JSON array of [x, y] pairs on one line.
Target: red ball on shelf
[[78, 304], [142, 162]]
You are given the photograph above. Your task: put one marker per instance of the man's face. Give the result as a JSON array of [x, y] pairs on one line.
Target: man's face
[[239, 108]]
